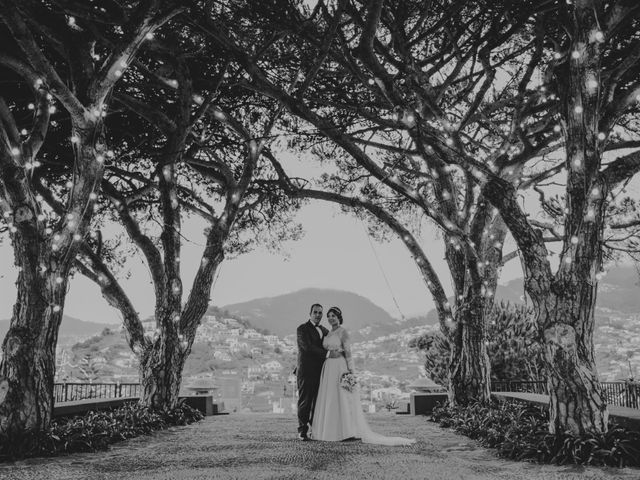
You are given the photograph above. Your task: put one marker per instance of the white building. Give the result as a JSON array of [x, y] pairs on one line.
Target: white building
[[273, 366]]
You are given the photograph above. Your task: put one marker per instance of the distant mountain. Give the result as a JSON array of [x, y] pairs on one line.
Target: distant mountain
[[71, 329], [282, 314]]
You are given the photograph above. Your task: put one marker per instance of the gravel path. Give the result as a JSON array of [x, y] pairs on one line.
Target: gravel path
[[261, 446]]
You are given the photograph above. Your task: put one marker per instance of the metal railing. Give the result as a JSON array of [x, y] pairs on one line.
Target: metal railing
[[621, 394], [69, 392], [520, 386]]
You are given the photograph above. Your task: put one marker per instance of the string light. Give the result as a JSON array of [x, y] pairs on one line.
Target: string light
[[149, 36], [56, 308], [15, 151], [578, 109], [602, 136], [574, 240], [575, 54], [52, 109], [599, 36], [31, 106]]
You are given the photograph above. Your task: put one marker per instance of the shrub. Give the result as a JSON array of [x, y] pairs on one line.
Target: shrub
[[513, 347], [95, 430], [521, 432]]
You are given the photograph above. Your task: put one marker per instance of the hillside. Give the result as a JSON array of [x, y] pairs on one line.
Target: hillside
[[71, 329], [282, 314]]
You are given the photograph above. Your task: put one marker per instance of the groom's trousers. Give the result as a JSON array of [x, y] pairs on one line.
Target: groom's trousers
[[308, 383]]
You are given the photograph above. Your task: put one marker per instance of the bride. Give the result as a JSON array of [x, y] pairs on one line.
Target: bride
[[338, 413]]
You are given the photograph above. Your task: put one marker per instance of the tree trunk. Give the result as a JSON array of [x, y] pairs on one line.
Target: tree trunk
[[469, 366], [161, 372], [28, 363], [577, 402]]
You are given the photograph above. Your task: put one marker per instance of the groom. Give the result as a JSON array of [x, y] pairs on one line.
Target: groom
[[311, 356]]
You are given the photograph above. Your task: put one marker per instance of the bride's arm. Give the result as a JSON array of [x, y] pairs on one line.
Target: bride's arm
[[346, 347]]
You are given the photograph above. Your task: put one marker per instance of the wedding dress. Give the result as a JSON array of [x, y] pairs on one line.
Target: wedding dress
[[338, 413]]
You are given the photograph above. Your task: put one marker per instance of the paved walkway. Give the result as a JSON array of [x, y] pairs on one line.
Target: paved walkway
[[262, 446]]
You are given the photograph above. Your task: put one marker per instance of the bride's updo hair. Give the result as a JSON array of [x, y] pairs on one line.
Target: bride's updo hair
[[337, 312]]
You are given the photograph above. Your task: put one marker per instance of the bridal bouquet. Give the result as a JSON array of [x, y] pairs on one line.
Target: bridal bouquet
[[348, 381]]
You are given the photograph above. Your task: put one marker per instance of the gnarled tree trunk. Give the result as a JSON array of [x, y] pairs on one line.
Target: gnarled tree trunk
[[27, 368], [469, 366], [161, 372], [577, 401]]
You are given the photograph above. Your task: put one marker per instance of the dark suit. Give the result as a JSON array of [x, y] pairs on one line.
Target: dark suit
[[311, 357]]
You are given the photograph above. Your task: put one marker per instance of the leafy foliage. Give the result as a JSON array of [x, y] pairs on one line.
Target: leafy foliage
[[521, 432], [513, 348], [95, 430]]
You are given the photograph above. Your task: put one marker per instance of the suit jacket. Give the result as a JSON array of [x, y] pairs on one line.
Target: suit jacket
[[311, 353]]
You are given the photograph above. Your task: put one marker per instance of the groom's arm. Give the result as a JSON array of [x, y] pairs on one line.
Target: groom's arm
[[305, 345]]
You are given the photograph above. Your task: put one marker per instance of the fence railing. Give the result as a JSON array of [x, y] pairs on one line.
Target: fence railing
[[621, 394], [69, 392]]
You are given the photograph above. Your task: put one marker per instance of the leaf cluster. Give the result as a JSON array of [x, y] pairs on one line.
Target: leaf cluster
[[520, 431], [95, 430]]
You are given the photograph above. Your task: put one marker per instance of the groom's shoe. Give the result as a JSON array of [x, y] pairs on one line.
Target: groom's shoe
[[303, 437]]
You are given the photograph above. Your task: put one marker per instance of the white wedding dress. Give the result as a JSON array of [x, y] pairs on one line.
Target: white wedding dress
[[338, 413]]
